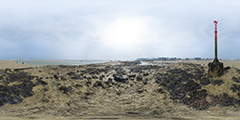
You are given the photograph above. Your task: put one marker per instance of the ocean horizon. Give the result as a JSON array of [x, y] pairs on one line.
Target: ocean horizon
[[60, 62]]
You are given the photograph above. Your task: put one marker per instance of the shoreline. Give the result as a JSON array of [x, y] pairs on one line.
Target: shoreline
[[13, 63]]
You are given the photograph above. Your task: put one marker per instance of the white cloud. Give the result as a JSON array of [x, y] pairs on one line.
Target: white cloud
[[117, 29]]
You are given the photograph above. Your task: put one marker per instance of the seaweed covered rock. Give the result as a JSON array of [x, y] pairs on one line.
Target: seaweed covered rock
[[17, 86], [188, 85], [215, 69]]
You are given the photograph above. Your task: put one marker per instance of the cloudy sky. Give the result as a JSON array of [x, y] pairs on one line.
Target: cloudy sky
[[118, 29]]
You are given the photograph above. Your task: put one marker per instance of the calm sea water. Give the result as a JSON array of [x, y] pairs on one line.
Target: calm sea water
[[60, 62]]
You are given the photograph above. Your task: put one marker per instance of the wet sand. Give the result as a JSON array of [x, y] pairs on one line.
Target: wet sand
[[119, 90], [12, 64]]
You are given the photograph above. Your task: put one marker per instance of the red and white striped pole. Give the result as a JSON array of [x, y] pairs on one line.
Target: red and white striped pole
[[216, 58]]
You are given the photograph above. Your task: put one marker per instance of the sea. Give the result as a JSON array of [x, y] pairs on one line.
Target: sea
[[60, 62]]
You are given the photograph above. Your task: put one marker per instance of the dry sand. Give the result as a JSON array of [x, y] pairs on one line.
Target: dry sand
[[12, 64], [91, 92]]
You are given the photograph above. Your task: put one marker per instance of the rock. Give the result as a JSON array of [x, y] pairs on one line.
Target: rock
[[20, 69], [78, 85], [226, 68], [225, 100], [218, 82], [77, 77], [235, 88], [190, 86], [101, 78], [139, 78], [204, 81], [160, 90], [121, 79], [215, 69], [8, 70], [41, 82], [71, 73], [140, 91], [65, 89], [200, 104], [88, 83], [15, 93], [56, 77], [145, 74], [236, 79], [98, 84], [132, 75], [145, 81], [94, 77]]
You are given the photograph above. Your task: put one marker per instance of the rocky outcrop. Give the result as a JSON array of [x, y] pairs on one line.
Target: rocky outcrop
[[126, 88], [16, 85]]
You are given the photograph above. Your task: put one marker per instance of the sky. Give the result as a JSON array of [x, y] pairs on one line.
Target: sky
[[118, 29]]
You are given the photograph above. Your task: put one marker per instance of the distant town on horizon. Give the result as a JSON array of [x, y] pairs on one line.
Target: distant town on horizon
[[176, 58]]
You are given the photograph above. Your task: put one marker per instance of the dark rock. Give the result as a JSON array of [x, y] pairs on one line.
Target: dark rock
[[140, 91], [226, 68], [236, 79], [204, 81], [225, 100], [218, 82], [108, 83], [78, 85], [119, 78], [89, 93], [175, 95], [145, 81], [89, 78], [65, 89], [145, 74], [155, 112], [98, 84], [201, 104], [132, 75], [198, 94], [19, 76], [235, 88], [20, 69], [8, 70], [95, 71], [56, 77], [88, 83], [139, 78], [191, 85], [160, 90], [215, 69], [77, 77], [15, 93], [40, 81], [101, 78], [94, 77], [71, 73]]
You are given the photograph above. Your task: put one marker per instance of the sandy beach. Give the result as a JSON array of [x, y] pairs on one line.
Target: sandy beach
[[158, 90]]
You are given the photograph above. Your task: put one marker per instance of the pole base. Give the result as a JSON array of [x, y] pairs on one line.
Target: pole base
[[215, 69]]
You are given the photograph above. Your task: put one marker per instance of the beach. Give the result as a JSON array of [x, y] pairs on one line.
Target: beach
[[120, 90]]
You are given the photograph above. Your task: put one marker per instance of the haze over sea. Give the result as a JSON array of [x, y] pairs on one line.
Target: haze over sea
[[60, 62]]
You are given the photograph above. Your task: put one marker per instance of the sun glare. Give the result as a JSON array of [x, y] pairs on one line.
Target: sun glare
[[126, 33]]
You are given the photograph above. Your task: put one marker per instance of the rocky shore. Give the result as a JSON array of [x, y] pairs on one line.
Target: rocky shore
[[165, 90]]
